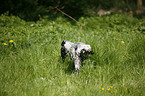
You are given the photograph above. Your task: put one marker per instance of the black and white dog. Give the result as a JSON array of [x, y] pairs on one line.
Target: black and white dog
[[78, 52]]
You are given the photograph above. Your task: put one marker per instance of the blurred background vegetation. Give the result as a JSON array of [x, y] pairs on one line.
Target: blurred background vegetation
[[33, 9]]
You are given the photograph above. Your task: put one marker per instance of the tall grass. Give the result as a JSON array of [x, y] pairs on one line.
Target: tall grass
[[32, 66]]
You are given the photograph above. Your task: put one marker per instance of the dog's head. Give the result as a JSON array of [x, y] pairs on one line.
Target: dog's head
[[84, 54], [83, 51]]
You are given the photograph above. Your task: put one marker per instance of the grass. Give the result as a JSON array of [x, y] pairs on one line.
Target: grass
[[31, 65]]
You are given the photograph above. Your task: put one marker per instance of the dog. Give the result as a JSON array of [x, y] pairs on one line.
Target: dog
[[78, 52]]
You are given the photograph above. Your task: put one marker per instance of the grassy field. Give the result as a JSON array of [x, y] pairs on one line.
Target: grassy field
[[30, 62]]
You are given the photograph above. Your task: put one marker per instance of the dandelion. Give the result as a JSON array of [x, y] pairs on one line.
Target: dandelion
[[116, 39], [5, 43], [122, 42], [115, 90], [111, 86], [11, 41], [109, 89], [102, 88]]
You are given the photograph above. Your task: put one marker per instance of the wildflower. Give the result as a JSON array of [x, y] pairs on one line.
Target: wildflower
[[109, 89], [111, 86], [102, 88], [42, 78], [5, 43], [32, 25], [115, 90], [122, 42], [116, 39], [11, 41]]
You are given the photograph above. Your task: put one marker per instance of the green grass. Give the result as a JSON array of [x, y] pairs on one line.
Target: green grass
[[32, 66]]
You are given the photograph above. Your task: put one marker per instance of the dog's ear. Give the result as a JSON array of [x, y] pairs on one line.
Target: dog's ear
[[83, 51], [83, 54]]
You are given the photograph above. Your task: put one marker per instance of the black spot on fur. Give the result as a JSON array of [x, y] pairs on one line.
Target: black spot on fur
[[63, 52], [75, 48]]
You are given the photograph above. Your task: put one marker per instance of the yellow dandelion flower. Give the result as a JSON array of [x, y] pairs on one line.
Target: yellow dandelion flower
[[11, 41], [109, 89], [102, 88], [122, 42], [5, 43], [116, 39], [111, 86], [115, 90]]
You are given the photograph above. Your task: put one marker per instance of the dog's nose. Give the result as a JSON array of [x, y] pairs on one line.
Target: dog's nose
[[91, 52]]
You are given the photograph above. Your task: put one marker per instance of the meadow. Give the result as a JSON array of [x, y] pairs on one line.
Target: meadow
[[30, 62]]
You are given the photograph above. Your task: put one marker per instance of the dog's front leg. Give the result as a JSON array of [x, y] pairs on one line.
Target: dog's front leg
[[77, 63]]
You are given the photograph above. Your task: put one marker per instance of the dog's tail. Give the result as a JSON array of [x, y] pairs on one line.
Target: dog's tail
[[63, 42], [63, 50]]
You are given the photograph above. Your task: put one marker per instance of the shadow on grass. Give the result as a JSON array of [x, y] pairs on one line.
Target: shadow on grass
[[71, 68], [68, 65], [3, 93]]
